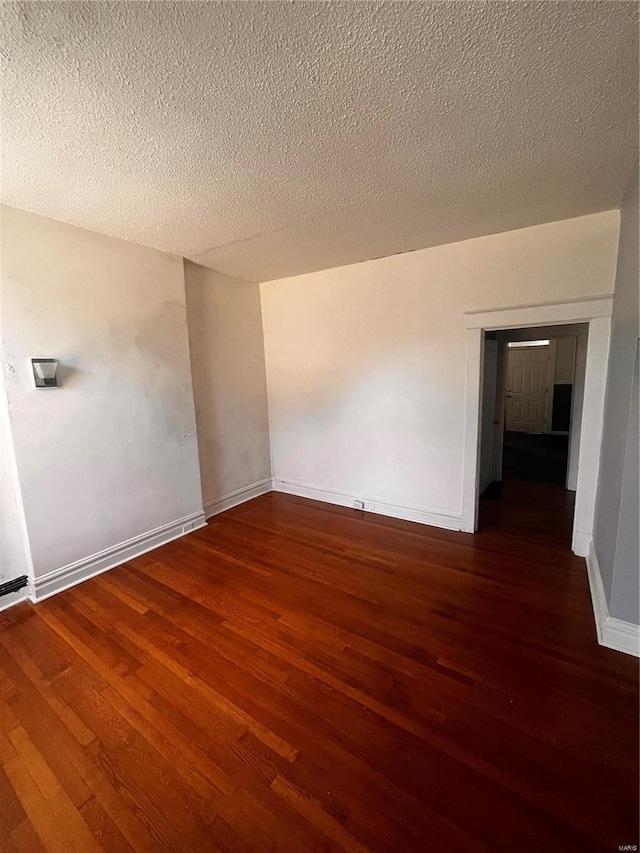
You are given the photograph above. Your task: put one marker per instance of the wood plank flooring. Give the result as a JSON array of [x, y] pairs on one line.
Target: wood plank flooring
[[297, 676]]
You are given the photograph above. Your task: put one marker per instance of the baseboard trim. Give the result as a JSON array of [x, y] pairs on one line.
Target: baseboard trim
[[74, 573], [239, 496], [612, 633], [581, 543], [406, 512], [13, 598]]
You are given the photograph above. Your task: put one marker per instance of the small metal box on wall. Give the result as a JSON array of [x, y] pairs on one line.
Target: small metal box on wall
[[45, 372]]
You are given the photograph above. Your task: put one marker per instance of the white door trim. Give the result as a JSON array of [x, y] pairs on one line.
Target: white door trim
[[580, 361], [540, 313], [597, 312]]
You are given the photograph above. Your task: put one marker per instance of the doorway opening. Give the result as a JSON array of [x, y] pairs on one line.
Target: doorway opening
[[484, 430], [531, 414]]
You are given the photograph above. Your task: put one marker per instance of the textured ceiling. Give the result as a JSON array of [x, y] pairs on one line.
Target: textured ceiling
[[269, 139]]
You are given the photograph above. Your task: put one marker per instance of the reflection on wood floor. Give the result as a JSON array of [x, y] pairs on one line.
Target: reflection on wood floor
[[298, 676]]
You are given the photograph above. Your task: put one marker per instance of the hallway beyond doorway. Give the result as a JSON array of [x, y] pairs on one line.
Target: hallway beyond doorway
[[535, 457]]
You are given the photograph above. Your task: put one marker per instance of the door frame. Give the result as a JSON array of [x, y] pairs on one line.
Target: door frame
[[488, 442], [596, 311]]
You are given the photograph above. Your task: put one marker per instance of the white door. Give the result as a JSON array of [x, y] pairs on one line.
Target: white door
[[526, 392]]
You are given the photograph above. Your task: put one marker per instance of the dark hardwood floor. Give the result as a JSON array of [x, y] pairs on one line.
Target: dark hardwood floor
[[298, 676], [535, 457]]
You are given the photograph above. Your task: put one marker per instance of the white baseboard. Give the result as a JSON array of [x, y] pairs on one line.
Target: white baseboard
[[612, 633], [13, 598], [67, 576], [581, 543], [468, 522], [406, 512], [246, 493]]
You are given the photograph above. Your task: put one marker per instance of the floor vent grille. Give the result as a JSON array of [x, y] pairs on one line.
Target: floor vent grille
[[13, 585]]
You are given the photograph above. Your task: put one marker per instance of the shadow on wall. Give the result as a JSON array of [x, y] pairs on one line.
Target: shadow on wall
[[159, 349], [68, 374], [229, 382]]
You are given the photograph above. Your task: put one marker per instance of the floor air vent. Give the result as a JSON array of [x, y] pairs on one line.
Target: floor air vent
[[13, 585]]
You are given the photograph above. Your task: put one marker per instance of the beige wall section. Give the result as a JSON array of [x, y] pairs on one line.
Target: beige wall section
[[227, 359], [112, 454], [366, 363]]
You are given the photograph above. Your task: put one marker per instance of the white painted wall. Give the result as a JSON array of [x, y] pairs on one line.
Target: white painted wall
[[229, 383], [617, 511], [366, 363], [112, 454]]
